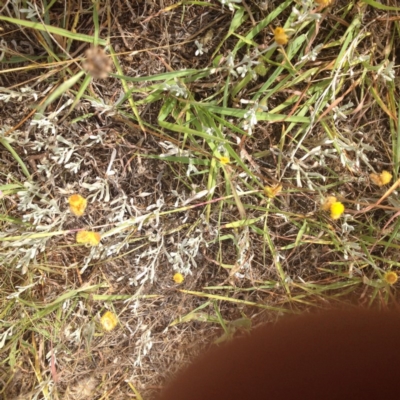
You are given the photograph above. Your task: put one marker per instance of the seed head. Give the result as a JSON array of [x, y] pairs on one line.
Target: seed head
[[97, 63]]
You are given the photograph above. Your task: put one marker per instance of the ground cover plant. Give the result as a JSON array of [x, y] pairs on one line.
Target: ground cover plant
[[173, 173]]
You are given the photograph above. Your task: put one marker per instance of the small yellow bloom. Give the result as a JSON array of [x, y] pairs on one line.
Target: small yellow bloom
[[273, 191], [280, 36], [390, 277], [77, 204], [108, 321], [381, 179], [224, 160], [178, 278], [326, 206], [324, 3], [337, 209], [88, 237]]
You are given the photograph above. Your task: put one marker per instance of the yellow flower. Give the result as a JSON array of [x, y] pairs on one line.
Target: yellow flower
[[178, 278], [280, 36], [224, 160], [326, 206], [88, 237], [77, 204], [390, 277], [108, 321], [273, 191], [337, 209], [324, 3], [381, 179]]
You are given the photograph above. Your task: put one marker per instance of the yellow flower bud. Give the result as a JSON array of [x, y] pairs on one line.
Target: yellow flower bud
[[108, 321], [88, 237], [178, 278], [77, 204], [280, 36], [273, 191], [224, 160], [337, 209], [381, 179], [326, 206]]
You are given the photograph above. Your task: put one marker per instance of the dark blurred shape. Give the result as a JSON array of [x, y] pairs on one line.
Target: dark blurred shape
[[335, 355]]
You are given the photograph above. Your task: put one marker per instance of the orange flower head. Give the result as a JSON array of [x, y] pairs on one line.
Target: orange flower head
[[280, 36], [77, 204], [88, 237], [390, 277], [108, 321]]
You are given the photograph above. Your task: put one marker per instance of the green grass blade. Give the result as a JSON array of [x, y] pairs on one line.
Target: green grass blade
[[62, 89], [17, 158], [52, 29]]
